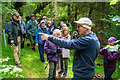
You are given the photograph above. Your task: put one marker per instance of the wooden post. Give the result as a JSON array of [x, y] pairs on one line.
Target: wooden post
[[4, 38]]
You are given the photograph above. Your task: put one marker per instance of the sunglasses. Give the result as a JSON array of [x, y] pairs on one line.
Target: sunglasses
[[78, 26]]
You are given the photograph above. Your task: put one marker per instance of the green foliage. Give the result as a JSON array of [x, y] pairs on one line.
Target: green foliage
[[28, 9], [110, 28], [7, 11]]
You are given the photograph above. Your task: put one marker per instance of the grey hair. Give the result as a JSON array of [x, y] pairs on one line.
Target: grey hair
[[56, 31], [75, 32], [64, 25]]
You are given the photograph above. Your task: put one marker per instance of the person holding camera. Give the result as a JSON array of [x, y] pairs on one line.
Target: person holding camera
[[110, 53]]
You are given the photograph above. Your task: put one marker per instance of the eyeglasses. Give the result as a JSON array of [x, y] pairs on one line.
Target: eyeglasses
[[79, 26]]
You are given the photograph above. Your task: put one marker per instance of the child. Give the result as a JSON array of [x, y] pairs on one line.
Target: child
[[52, 51], [110, 53], [75, 35], [65, 52]]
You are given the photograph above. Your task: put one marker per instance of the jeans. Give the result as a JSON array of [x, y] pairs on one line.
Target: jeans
[[78, 78], [65, 61], [41, 52], [108, 74]]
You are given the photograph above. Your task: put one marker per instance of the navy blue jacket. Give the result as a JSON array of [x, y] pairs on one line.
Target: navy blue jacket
[[86, 51]]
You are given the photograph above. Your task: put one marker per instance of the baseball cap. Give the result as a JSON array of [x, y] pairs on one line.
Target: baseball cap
[[32, 15], [49, 21], [44, 17], [16, 14], [42, 21], [83, 21]]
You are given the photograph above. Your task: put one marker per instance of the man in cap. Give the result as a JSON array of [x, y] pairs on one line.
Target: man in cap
[[32, 26], [86, 49], [14, 33], [39, 42]]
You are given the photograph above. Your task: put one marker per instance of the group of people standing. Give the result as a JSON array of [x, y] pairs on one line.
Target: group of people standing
[[17, 31], [56, 43]]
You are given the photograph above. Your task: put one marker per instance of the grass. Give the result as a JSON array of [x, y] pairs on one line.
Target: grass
[[34, 68]]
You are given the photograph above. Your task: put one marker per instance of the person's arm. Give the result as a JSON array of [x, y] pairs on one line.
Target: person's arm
[[24, 26], [47, 31], [102, 51], [54, 26], [46, 48], [37, 36], [69, 37], [71, 44], [113, 56], [10, 31], [28, 27]]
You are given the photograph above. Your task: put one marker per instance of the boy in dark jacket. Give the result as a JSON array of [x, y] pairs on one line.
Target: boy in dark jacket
[[110, 53], [52, 51]]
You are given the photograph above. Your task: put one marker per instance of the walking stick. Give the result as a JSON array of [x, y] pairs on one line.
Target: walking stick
[[49, 60], [4, 38]]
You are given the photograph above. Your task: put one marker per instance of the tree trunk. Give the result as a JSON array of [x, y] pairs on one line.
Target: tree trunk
[[76, 12], [18, 5], [68, 12], [90, 11]]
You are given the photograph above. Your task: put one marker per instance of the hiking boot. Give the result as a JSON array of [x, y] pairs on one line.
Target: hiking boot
[[19, 65], [44, 62], [60, 71], [34, 49], [65, 72]]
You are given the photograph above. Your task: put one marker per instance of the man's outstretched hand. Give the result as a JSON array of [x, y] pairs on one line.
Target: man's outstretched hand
[[44, 36]]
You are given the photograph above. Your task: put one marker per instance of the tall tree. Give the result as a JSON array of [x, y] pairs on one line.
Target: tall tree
[[69, 12], [41, 6]]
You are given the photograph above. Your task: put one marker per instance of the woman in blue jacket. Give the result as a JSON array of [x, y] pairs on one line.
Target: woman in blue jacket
[[39, 42]]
